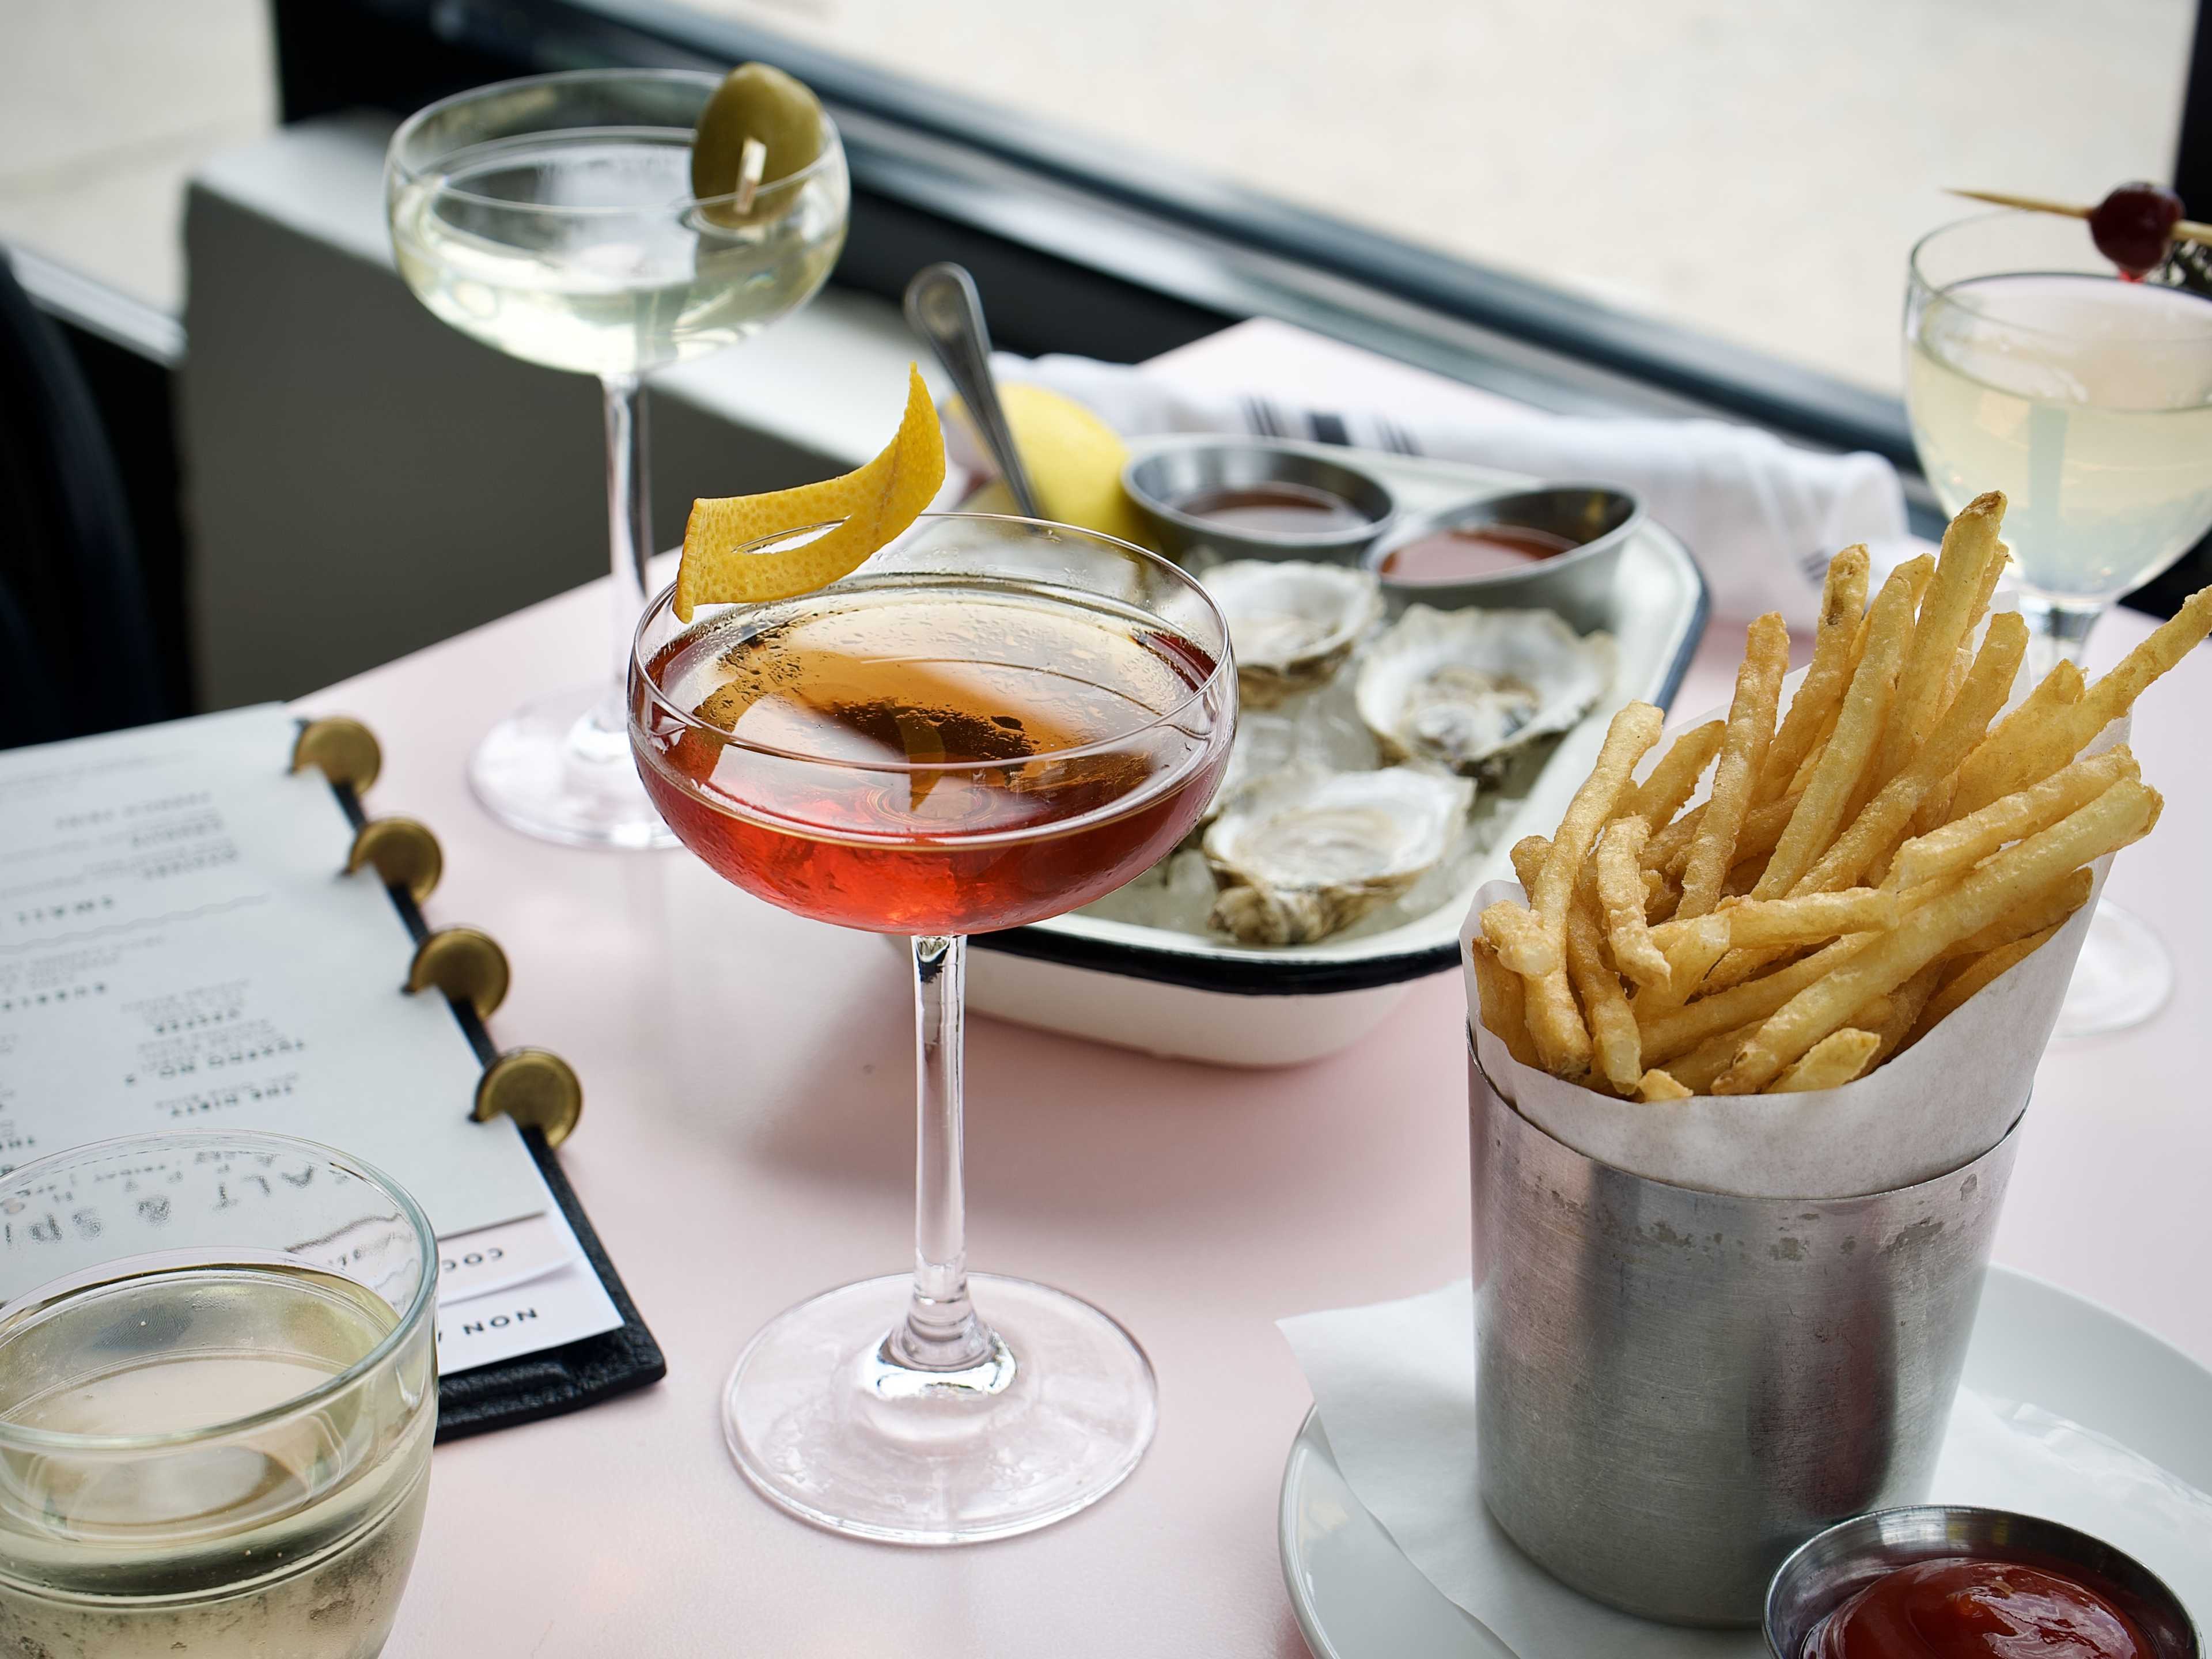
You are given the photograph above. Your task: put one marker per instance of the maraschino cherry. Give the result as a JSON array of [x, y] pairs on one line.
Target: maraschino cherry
[[2134, 226]]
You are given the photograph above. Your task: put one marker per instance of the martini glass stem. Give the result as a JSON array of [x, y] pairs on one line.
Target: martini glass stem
[[941, 1332], [630, 537], [2058, 631]]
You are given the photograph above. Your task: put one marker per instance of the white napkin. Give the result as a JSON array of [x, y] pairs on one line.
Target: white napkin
[[1761, 517], [1394, 1384]]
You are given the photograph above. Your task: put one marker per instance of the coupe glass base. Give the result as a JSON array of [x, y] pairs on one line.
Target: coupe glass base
[[550, 770], [824, 1428], [2123, 976]]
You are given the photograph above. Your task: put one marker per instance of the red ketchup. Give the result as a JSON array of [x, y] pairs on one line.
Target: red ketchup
[[1958, 1609]]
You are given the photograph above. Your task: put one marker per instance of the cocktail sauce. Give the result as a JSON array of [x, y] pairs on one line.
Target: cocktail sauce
[[1277, 508], [1956, 1607], [1479, 550]]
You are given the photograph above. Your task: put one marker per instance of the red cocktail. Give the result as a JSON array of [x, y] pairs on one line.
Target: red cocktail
[[991, 723], [944, 757]]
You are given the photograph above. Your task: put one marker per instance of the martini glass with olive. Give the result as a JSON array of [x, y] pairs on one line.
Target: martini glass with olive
[[607, 222]]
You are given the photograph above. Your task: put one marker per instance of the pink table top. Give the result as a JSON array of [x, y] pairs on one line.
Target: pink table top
[[748, 1141]]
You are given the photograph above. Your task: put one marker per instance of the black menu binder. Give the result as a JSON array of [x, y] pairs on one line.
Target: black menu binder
[[531, 1085]]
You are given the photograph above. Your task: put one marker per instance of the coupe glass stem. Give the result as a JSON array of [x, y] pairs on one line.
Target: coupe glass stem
[[2058, 631], [941, 1332], [629, 538]]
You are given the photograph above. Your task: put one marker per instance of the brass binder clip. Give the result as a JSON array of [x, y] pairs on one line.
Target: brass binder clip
[[403, 851], [535, 1088], [345, 750], [467, 965]]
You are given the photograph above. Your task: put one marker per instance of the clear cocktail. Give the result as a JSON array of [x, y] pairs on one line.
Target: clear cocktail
[[2033, 367], [555, 220]]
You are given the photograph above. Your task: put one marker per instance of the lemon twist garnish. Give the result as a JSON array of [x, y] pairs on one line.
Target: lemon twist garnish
[[876, 503]]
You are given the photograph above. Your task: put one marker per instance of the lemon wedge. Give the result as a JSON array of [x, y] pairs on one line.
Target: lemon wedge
[[875, 504], [1074, 460]]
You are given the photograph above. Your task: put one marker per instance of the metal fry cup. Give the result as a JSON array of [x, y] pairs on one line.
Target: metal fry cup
[[1675, 1387]]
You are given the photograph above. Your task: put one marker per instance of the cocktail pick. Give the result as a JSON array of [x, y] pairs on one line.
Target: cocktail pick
[[2187, 230], [751, 171]]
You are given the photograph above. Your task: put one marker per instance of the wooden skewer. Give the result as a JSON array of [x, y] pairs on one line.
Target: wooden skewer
[[2189, 230], [2031, 204], [752, 164]]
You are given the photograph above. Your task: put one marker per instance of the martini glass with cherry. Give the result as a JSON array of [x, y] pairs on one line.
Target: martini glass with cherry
[[2074, 372]]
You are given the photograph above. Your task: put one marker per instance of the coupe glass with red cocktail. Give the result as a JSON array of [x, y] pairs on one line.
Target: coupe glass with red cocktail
[[991, 722]]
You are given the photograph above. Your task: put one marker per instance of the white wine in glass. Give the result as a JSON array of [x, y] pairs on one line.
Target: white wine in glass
[[218, 1391], [554, 220], [2032, 367]]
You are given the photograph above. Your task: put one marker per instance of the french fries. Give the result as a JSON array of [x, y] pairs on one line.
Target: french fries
[[1743, 751], [1851, 748], [1504, 1003], [1874, 832], [1554, 1020], [1830, 1063], [1813, 710], [1673, 780], [2062, 688], [1860, 869], [1618, 1043], [1669, 849], [1967, 840], [1667, 1030], [2052, 742], [1699, 943], [1969, 553], [1900, 1016], [2120, 815], [2034, 913], [1982, 970], [1696, 1070], [1621, 891]]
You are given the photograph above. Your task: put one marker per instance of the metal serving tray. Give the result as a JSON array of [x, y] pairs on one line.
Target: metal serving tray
[[1179, 993]]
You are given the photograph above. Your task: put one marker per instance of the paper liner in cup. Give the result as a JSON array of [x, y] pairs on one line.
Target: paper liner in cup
[[1941, 1103]]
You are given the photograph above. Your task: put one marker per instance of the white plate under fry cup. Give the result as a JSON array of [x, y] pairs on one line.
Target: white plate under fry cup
[[1357, 1597]]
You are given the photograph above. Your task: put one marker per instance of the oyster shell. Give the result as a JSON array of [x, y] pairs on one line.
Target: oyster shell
[[1291, 622], [1308, 851], [1464, 687]]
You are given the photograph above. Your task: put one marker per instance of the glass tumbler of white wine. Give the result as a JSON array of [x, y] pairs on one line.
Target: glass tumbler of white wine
[[2032, 367], [218, 1390], [553, 219]]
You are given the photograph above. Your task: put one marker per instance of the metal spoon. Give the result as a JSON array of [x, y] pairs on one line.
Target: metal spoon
[[942, 307]]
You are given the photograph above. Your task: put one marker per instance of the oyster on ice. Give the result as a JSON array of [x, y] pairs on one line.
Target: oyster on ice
[[1264, 745], [1323, 729], [1291, 622], [1464, 687], [1307, 851]]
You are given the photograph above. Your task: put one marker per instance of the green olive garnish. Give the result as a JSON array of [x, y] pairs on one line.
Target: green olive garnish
[[753, 101]]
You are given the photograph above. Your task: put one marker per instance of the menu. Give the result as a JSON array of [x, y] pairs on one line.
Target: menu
[[180, 949]]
